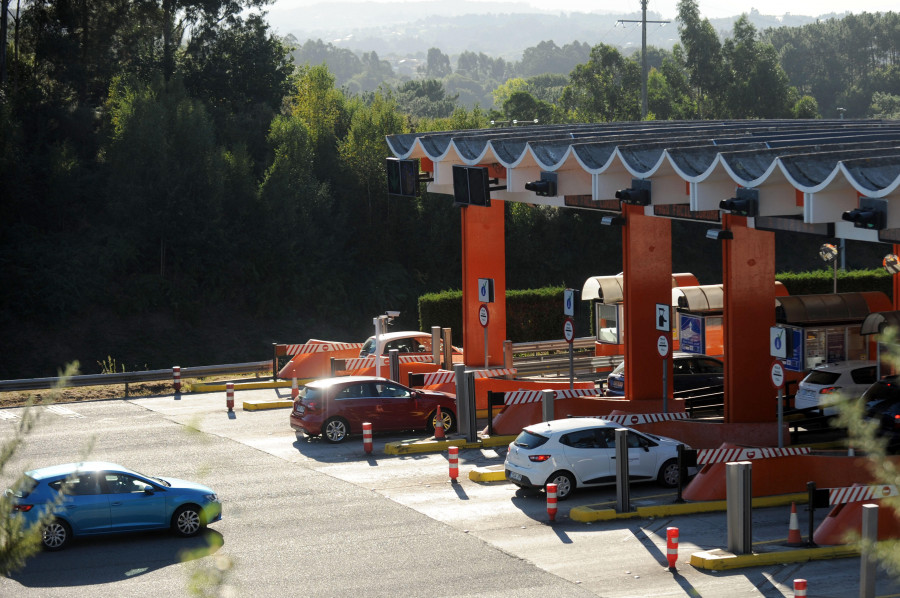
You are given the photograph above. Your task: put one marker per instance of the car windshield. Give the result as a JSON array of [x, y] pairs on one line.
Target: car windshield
[[620, 369], [310, 393], [529, 440]]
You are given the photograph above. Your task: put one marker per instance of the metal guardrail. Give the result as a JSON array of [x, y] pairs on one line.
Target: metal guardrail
[[132, 377], [543, 362]]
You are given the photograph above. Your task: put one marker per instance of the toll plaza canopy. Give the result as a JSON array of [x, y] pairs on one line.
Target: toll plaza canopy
[[835, 178]]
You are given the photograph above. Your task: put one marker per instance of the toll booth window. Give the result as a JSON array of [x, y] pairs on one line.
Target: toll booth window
[[607, 318], [857, 347]]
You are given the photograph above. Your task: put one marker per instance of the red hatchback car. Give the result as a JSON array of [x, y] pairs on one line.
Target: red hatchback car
[[337, 407]]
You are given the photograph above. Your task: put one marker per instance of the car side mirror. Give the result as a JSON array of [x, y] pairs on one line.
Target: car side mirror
[[148, 489]]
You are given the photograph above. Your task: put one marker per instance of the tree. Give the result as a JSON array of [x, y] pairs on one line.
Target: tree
[[606, 88], [806, 107], [703, 54], [437, 65], [425, 98]]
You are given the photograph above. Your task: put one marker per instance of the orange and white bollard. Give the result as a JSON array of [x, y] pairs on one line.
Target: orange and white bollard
[[176, 375], [794, 536], [295, 392], [672, 546], [454, 462], [367, 437], [799, 588], [551, 501], [229, 396], [438, 424]]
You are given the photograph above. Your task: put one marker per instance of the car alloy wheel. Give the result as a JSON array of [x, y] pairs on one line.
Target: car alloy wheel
[[187, 521], [335, 430], [669, 475], [565, 484], [55, 535]]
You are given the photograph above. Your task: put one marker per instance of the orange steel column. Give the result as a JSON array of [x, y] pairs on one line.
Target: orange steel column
[[483, 256], [647, 280], [895, 279], [748, 275]]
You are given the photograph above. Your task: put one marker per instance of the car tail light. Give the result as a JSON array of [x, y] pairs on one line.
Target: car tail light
[[311, 406], [897, 422], [22, 508], [829, 390], [538, 458]]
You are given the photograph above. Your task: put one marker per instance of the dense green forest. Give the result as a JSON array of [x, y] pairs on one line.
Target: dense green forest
[[176, 190]]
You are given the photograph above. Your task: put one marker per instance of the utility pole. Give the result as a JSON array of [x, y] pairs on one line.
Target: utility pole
[[644, 69]]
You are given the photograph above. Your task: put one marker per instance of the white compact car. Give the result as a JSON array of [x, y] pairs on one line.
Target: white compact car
[[826, 383], [580, 452]]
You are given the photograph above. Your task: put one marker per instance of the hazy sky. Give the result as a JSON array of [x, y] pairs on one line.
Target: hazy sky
[[708, 8]]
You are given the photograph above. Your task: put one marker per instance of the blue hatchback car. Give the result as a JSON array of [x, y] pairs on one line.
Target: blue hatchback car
[[94, 498]]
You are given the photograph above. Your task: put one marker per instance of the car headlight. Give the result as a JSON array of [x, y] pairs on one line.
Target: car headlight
[[211, 497]]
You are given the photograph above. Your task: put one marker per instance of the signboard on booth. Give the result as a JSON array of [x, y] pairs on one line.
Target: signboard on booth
[[693, 333], [794, 360]]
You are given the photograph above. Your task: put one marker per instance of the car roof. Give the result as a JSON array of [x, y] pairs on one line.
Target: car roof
[[845, 366], [327, 382], [570, 423], [392, 336], [68, 468]]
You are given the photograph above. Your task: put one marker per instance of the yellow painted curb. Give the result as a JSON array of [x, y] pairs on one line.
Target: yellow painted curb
[[436, 446], [491, 473], [720, 560], [220, 386], [260, 405], [593, 513], [492, 441]]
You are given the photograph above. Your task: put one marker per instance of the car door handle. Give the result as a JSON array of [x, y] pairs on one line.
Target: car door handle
[[116, 504]]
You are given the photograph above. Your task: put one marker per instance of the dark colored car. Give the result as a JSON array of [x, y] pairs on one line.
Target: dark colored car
[[690, 371], [94, 498], [882, 401], [337, 407]]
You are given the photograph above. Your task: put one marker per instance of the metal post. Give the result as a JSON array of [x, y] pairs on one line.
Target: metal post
[[462, 398], [811, 490], [507, 356], [665, 385], [436, 345], [448, 349], [548, 411], [571, 367], [379, 330], [394, 355], [780, 418], [274, 361], [485, 347], [623, 491], [472, 415], [738, 498], [681, 472], [867, 554]]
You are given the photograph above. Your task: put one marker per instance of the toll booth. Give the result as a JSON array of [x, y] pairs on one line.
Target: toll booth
[[698, 317], [606, 294], [828, 328]]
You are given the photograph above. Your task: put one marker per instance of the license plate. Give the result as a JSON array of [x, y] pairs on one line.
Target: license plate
[[301, 409], [615, 384], [513, 475]]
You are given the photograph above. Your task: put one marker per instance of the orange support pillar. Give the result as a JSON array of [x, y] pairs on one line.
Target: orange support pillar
[[748, 275], [483, 256], [895, 286], [647, 281]]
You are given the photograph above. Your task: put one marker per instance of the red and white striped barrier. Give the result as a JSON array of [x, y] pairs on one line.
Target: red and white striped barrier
[[799, 588], [229, 396], [176, 378], [520, 397], [551, 501], [439, 377], [446, 376], [839, 496], [454, 462], [710, 456], [672, 546], [633, 419], [571, 393], [367, 437], [358, 363], [304, 348]]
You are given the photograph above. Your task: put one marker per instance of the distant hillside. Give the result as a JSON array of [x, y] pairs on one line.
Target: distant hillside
[[497, 29]]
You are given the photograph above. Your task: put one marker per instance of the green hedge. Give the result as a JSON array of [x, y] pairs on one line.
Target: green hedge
[[537, 314]]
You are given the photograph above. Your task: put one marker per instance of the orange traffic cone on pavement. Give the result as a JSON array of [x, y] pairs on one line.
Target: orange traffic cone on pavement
[[794, 537], [438, 424], [295, 392]]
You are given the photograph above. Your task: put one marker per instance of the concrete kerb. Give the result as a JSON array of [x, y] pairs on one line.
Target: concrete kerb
[[720, 560], [590, 513], [220, 386], [436, 446]]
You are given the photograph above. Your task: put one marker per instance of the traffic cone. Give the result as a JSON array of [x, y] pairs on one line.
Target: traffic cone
[[438, 425], [295, 392], [794, 537]]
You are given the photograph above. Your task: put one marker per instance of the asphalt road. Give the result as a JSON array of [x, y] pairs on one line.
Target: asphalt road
[[308, 518]]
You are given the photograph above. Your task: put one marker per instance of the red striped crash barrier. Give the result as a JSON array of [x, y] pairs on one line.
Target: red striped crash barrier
[[839, 496], [446, 376], [367, 437], [229, 396], [317, 347], [551, 501], [799, 588], [453, 452], [727, 455], [176, 378], [672, 546], [633, 419], [359, 363], [520, 397]]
